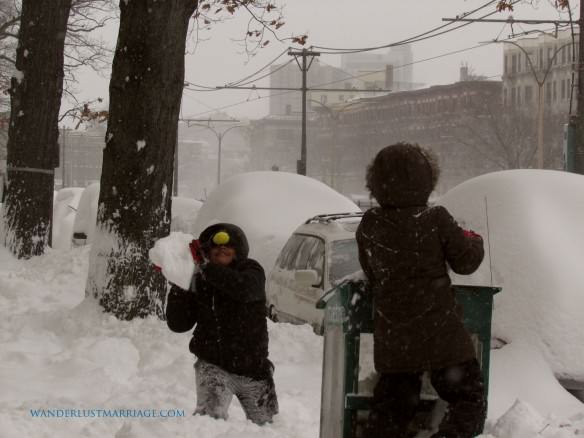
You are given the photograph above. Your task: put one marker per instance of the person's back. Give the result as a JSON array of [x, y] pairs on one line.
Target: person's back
[[404, 249]]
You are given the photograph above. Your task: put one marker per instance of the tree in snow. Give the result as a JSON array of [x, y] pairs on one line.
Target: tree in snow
[[33, 103], [136, 182], [82, 47], [33, 153]]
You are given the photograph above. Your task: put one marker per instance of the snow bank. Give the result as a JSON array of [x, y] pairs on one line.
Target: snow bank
[[87, 212], [536, 240], [269, 206], [64, 209], [184, 214]]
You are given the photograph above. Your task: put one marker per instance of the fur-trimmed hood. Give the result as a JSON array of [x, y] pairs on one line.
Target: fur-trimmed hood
[[402, 175]]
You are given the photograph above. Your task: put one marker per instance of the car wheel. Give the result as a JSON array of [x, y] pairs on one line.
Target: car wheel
[[273, 313]]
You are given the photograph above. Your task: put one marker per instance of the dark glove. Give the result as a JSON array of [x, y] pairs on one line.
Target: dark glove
[[471, 234], [196, 252]]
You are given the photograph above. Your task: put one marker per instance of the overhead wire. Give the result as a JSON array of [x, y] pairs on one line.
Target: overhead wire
[[239, 81], [336, 81], [415, 38]]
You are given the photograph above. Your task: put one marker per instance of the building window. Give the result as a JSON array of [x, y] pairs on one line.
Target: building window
[[323, 98], [504, 96], [541, 59], [548, 93], [513, 96], [519, 62], [554, 91], [563, 60], [563, 89], [514, 64], [505, 64], [528, 93], [527, 57]]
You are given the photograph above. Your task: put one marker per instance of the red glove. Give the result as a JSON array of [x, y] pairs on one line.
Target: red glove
[[157, 268], [471, 234], [195, 247]]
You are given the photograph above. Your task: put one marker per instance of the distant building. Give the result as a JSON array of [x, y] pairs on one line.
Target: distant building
[[80, 157], [393, 69], [275, 143], [555, 60], [288, 103], [437, 117], [536, 56]]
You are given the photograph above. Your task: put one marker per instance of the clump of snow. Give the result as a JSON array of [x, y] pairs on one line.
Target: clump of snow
[[536, 242], [18, 75], [64, 209], [140, 144], [173, 255], [269, 206]]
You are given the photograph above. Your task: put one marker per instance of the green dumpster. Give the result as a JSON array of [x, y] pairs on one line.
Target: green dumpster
[[348, 315]]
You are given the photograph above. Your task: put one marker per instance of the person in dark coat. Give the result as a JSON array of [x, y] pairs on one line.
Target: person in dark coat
[[226, 304], [405, 248]]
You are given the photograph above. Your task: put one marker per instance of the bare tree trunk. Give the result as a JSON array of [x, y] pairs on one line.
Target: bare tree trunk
[[136, 182], [33, 151]]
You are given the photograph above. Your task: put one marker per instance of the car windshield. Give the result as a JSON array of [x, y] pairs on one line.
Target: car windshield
[[344, 259]]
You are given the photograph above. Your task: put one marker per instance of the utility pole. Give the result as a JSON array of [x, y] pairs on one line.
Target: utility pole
[[578, 120], [304, 67]]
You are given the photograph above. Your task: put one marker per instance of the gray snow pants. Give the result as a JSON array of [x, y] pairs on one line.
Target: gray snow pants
[[216, 387]]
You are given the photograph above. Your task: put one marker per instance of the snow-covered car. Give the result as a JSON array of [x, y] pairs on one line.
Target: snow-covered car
[[319, 254]]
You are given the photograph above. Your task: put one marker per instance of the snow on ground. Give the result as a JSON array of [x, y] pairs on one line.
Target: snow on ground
[[60, 352], [269, 206]]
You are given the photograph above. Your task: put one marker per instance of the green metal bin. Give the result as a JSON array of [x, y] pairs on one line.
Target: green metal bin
[[348, 314]]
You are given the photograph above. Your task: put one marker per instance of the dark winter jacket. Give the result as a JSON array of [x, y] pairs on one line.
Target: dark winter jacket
[[226, 304], [404, 249]]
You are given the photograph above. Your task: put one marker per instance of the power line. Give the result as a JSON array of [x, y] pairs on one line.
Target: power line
[[291, 90], [420, 37], [240, 81], [261, 69]]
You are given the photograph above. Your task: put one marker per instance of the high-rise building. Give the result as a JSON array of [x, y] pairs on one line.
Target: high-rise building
[[373, 69]]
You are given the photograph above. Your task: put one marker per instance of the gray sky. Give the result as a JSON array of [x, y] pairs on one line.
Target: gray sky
[[338, 23]]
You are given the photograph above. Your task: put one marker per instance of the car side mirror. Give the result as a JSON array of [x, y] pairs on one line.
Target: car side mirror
[[306, 277]]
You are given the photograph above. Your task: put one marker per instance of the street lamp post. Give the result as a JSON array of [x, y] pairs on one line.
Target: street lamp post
[[219, 136]]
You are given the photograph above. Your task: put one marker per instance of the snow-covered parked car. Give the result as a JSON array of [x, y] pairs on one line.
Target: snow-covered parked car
[[183, 215], [319, 254]]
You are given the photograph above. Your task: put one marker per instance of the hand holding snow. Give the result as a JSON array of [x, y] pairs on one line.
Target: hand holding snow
[[173, 256]]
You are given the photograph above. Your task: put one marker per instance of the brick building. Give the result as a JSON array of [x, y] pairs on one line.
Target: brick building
[[437, 117]]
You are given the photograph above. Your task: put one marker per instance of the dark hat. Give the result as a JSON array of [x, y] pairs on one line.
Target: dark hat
[[402, 175], [225, 234]]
